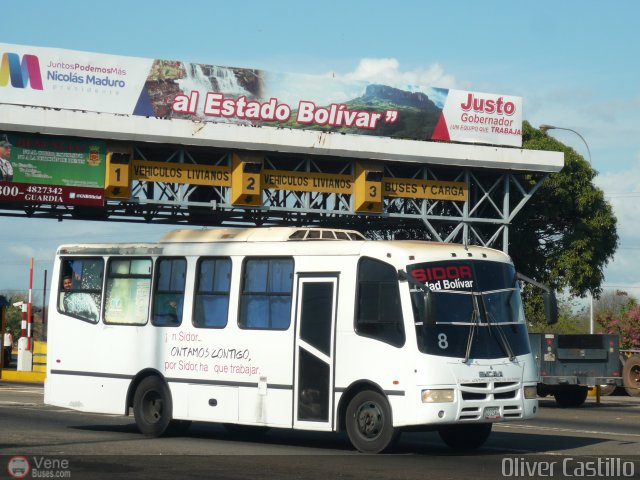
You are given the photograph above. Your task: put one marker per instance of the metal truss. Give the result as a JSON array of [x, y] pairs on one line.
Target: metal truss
[[495, 198]]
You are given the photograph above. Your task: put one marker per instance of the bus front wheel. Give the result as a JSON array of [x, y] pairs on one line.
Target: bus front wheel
[[369, 423], [464, 438], [152, 407]]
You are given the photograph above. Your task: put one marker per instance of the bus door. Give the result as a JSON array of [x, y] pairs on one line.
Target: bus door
[[314, 351]]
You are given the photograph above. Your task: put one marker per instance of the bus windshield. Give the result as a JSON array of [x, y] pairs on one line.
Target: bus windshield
[[499, 307], [475, 305]]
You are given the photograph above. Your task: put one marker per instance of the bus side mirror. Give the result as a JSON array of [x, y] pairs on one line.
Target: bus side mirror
[[550, 307]]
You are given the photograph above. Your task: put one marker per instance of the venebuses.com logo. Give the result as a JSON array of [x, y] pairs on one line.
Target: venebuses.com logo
[[21, 72], [18, 467]]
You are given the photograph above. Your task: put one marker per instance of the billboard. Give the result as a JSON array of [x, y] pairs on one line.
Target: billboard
[[52, 170], [175, 89]]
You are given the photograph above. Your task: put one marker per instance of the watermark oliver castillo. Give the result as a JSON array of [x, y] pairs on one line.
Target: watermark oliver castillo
[[607, 467]]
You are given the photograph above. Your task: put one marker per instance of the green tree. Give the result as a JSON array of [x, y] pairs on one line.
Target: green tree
[[622, 318], [570, 320], [566, 234], [13, 315]]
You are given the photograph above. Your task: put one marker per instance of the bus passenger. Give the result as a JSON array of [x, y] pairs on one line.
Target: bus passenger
[[78, 303]]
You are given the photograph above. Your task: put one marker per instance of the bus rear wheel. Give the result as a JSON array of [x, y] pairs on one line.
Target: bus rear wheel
[[152, 407], [369, 423], [464, 438]]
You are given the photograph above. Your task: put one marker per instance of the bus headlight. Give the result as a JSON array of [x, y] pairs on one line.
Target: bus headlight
[[437, 396], [530, 392]]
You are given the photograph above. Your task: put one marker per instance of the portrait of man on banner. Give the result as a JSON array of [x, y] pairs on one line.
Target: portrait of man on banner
[[6, 169]]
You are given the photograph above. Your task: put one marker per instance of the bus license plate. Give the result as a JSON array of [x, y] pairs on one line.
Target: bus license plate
[[492, 413]]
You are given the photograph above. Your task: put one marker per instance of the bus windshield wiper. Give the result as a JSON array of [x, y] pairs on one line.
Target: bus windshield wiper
[[500, 335], [475, 319]]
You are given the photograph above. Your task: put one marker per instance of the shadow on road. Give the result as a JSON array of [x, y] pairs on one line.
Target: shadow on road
[[415, 443]]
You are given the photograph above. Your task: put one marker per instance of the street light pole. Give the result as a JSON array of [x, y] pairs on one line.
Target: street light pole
[[544, 128]]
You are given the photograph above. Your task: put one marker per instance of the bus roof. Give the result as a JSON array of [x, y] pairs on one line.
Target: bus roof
[[292, 241], [269, 234]]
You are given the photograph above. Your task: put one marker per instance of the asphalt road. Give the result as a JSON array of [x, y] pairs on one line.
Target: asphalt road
[[107, 446]]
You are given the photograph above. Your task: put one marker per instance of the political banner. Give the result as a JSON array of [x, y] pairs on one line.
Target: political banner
[[174, 89]]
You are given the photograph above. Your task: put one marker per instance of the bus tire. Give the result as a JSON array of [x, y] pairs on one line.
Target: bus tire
[[464, 438], [369, 423], [152, 407], [631, 376], [571, 396]]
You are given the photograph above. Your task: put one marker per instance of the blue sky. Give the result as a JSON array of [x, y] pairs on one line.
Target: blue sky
[[574, 63]]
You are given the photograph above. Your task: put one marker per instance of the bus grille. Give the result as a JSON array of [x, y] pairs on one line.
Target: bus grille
[[501, 392], [489, 391]]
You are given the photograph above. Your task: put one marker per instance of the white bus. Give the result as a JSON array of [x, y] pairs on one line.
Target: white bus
[[303, 328]]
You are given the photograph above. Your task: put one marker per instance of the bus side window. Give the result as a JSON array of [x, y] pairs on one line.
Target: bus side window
[[81, 288], [378, 309], [212, 293], [267, 285], [168, 297], [128, 290]]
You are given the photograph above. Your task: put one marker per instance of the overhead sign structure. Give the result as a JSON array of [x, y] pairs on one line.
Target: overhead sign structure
[[247, 179], [172, 89], [54, 170]]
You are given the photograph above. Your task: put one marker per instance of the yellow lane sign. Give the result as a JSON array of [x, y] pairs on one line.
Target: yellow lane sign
[[423, 189], [187, 173], [307, 181]]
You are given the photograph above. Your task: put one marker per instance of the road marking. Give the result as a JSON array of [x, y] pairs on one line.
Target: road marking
[[22, 390], [566, 430]]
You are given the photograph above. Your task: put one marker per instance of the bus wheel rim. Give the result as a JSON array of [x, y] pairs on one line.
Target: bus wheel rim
[[152, 407], [369, 419]]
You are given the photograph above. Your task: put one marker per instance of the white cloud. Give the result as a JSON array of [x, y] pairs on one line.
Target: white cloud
[[622, 190], [388, 72], [621, 181], [332, 87]]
